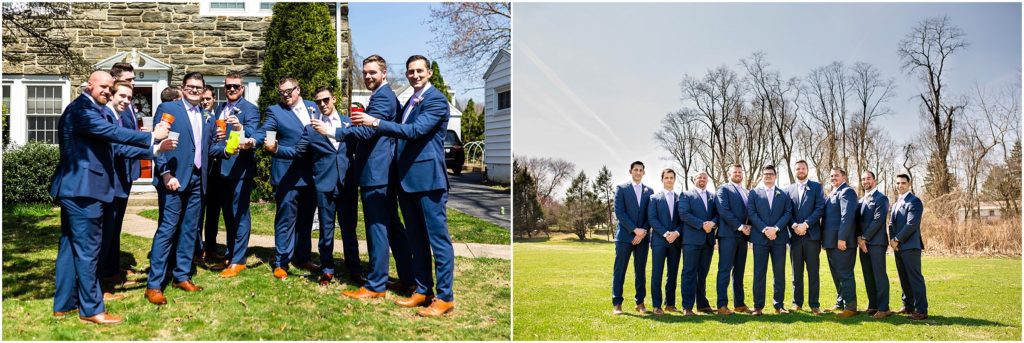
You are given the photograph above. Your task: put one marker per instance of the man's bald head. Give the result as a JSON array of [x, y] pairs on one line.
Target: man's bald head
[[99, 86]]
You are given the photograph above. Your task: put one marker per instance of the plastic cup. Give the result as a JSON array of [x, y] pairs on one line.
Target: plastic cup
[[357, 110], [172, 135], [272, 135], [167, 117], [232, 144], [222, 124]]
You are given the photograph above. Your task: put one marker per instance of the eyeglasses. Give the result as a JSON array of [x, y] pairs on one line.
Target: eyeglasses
[[323, 100], [768, 174], [287, 92], [232, 87], [192, 88]]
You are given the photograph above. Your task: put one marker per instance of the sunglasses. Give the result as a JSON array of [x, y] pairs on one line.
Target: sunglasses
[[287, 92], [323, 100], [232, 87]]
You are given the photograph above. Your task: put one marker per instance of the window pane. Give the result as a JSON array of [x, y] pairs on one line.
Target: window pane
[[504, 100], [228, 5], [44, 107], [266, 5]]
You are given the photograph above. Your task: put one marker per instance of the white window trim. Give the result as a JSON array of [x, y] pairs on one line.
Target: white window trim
[[252, 9], [497, 98], [19, 101]]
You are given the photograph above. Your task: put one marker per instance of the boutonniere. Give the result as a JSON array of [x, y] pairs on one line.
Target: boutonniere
[[206, 114], [777, 192], [236, 111], [312, 109]]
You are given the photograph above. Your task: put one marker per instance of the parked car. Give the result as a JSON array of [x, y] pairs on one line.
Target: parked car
[[454, 154]]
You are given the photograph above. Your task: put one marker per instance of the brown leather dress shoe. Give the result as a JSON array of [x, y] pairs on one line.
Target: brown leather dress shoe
[[280, 273], [326, 278], [187, 286], [757, 312], [904, 310], [671, 309], [781, 310], [881, 314], [725, 311], [870, 311], [688, 312], [62, 315], [918, 316], [815, 311], [798, 308], [155, 296], [437, 308], [642, 309], [847, 314], [102, 319], [658, 311], [232, 270], [741, 309], [107, 296], [617, 310], [310, 266], [705, 310], [363, 293], [416, 300]]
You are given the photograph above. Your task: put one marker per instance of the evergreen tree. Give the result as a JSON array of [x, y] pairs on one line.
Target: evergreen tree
[[578, 205], [604, 191], [300, 43], [527, 215], [472, 123], [437, 80]]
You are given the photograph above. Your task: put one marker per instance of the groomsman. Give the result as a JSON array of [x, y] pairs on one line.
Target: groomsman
[[665, 241], [769, 211], [83, 186], [697, 210], [423, 191], [291, 174], [373, 165], [733, 234], [181, 186], [207, 244], [126, 170], [838, 239], [905, 233], [808, 204], [871, 241], [235, 173], [631, 201]]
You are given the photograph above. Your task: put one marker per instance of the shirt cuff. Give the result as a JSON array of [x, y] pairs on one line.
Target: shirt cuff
[[156, 150]]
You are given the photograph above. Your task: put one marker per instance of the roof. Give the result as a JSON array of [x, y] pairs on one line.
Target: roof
[[494, 62], [139, 60]]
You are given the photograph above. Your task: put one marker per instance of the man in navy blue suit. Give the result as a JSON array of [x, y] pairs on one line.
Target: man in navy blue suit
[[733, 234], [905, 240], [235, 174], [373, 164], [769, 212], [807, 204], [181, 186], [206, 245], [666, 240], [83, 183], [872, 243], [291, 174], [631, 201], [838, 237], [423, 184], [699, 216]]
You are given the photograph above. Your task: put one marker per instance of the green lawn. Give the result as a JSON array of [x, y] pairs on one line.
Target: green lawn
[[563, 292], [462, 227], [253, 306]]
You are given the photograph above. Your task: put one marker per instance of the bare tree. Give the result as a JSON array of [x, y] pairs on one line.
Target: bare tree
[[718, 97], [549, 173], [778, 100], [679, 135], [871, 91], [925, 52], [810, 145], [471, 33], [825, 102], [39, 26]]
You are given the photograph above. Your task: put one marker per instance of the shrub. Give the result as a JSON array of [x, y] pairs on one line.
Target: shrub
[[27, 171]]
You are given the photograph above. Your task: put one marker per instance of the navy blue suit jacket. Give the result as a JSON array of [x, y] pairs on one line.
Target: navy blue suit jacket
[[126, 157], [905, 225], [86, 167], [731, 211], [809, 210], [420, 160], [761, 216], [840, 218], [871, 219], [180, 161], [375, 151], [289, 167], [692, 211], [630, 215], [240, 165], [330, 165], [660, 219]]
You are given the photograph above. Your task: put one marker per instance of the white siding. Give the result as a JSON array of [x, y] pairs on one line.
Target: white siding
[[498, 124]]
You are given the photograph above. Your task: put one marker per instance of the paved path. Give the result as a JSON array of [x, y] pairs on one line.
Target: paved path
[[469, 196], [144, 227]]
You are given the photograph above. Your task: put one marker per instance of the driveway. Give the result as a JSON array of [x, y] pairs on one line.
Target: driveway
[[469, 196]]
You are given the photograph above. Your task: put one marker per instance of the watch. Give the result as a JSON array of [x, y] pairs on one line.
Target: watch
[[376, 123]]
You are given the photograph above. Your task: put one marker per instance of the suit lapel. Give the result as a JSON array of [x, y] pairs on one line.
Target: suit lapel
[[188, 121]]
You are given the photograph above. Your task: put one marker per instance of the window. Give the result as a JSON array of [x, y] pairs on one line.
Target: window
[[266, 5], [7, 114], [236, 8], [43, 112], [227, 5], [505, 99]]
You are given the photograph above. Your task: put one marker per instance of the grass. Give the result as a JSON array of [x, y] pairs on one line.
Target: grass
[[463, 228], [253, 306], [562, 292]]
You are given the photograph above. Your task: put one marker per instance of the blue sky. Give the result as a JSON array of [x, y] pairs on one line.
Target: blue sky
[[399, 30], [594, 91]]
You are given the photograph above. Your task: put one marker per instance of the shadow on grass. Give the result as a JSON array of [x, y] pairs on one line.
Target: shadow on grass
[[27, 274], [808, 318]]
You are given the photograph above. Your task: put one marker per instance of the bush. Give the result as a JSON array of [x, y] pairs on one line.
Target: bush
[[27, 172], [300, 44]]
